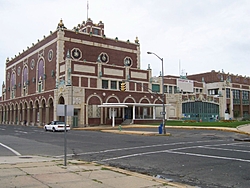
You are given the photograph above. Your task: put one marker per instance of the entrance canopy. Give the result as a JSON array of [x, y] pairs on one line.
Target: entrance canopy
[[118, 105], [130, 104], [126, 105]]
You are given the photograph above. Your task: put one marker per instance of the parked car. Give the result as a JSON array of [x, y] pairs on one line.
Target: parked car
[[56, 126]]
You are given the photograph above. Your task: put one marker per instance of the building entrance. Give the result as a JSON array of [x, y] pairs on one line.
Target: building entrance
[[128, 113]]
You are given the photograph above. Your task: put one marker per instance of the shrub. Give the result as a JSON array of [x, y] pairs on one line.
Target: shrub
[[189, 121], [227, 121]]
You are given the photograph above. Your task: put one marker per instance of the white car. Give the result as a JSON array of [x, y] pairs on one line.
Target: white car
[[56, 126]]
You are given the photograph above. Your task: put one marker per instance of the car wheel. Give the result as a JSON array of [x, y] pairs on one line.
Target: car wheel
[[54, 130]]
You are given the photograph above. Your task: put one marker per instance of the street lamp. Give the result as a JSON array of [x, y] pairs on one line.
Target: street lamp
[[163, 101]]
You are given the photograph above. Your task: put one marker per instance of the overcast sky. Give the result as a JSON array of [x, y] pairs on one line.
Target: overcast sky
[[192, 36]]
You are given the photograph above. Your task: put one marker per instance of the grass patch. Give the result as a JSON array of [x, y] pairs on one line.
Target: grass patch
[[96, 180], [103, 168], [230, 124]]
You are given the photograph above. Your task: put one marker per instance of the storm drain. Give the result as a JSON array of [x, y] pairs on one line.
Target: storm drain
[[162, 177], [25, 157]]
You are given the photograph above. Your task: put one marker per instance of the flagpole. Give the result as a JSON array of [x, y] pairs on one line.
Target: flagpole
[[87, 10]]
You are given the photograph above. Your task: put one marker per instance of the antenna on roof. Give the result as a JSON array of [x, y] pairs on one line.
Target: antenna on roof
[[179, 67], [87, 10]]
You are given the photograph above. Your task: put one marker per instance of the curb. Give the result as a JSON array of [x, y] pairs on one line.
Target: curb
[[115, 129], [136, 132], [147, 177]]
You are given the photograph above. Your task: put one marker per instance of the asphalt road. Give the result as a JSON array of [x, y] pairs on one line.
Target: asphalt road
[[196, 157]]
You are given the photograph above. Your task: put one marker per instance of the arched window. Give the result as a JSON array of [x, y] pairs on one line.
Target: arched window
[[40, 75], [25, 81], [13, 84]]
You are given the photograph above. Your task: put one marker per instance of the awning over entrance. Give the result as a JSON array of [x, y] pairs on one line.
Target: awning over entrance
[[132, 104], [113, 106], [126, 105]]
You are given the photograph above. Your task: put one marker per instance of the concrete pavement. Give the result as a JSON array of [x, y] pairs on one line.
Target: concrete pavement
[[245, 129], [45, 172]]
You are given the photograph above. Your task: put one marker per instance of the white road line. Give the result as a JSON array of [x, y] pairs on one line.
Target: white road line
[[208, 146], [243, 144], [137, 147], [209, 156], [7, 147], [133, 155], [225, 149], [21, 132], [175, 152], [183, 153]]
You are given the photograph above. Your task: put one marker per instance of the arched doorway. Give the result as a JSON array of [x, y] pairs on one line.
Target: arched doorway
[[93, 111], [51, 110]]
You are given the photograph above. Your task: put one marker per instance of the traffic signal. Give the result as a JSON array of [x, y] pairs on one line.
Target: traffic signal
[[123, 86]]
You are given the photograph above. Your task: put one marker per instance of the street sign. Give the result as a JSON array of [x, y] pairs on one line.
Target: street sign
[[163, 113]]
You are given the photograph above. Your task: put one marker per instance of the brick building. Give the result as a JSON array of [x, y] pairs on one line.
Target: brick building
[[84, 68], [80, 67]]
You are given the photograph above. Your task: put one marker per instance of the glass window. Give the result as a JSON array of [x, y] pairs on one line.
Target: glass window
[[96, 31], [105, 84], [175, 89], [39, 86], [13, 80], [94, 111], [228, 93], [113, 85], [236, 94], [170, 89], [25, 80], [40, 70], [40, 74], [165, 89], [155, 87], [245, 95]]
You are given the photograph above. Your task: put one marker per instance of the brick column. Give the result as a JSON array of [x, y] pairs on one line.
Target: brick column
[[47, 114], [28, 116], [34, 116], [14, 118], [40, 115]]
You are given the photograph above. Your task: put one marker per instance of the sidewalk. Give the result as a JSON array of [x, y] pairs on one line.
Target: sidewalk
[[44, 172], [243, 129]]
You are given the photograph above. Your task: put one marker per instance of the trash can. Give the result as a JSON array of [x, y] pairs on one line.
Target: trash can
[[160, 129]]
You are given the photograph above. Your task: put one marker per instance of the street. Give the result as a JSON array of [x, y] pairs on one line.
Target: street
[[203, 158]]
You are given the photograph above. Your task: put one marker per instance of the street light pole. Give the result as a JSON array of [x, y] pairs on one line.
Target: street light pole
[[163, 101]]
